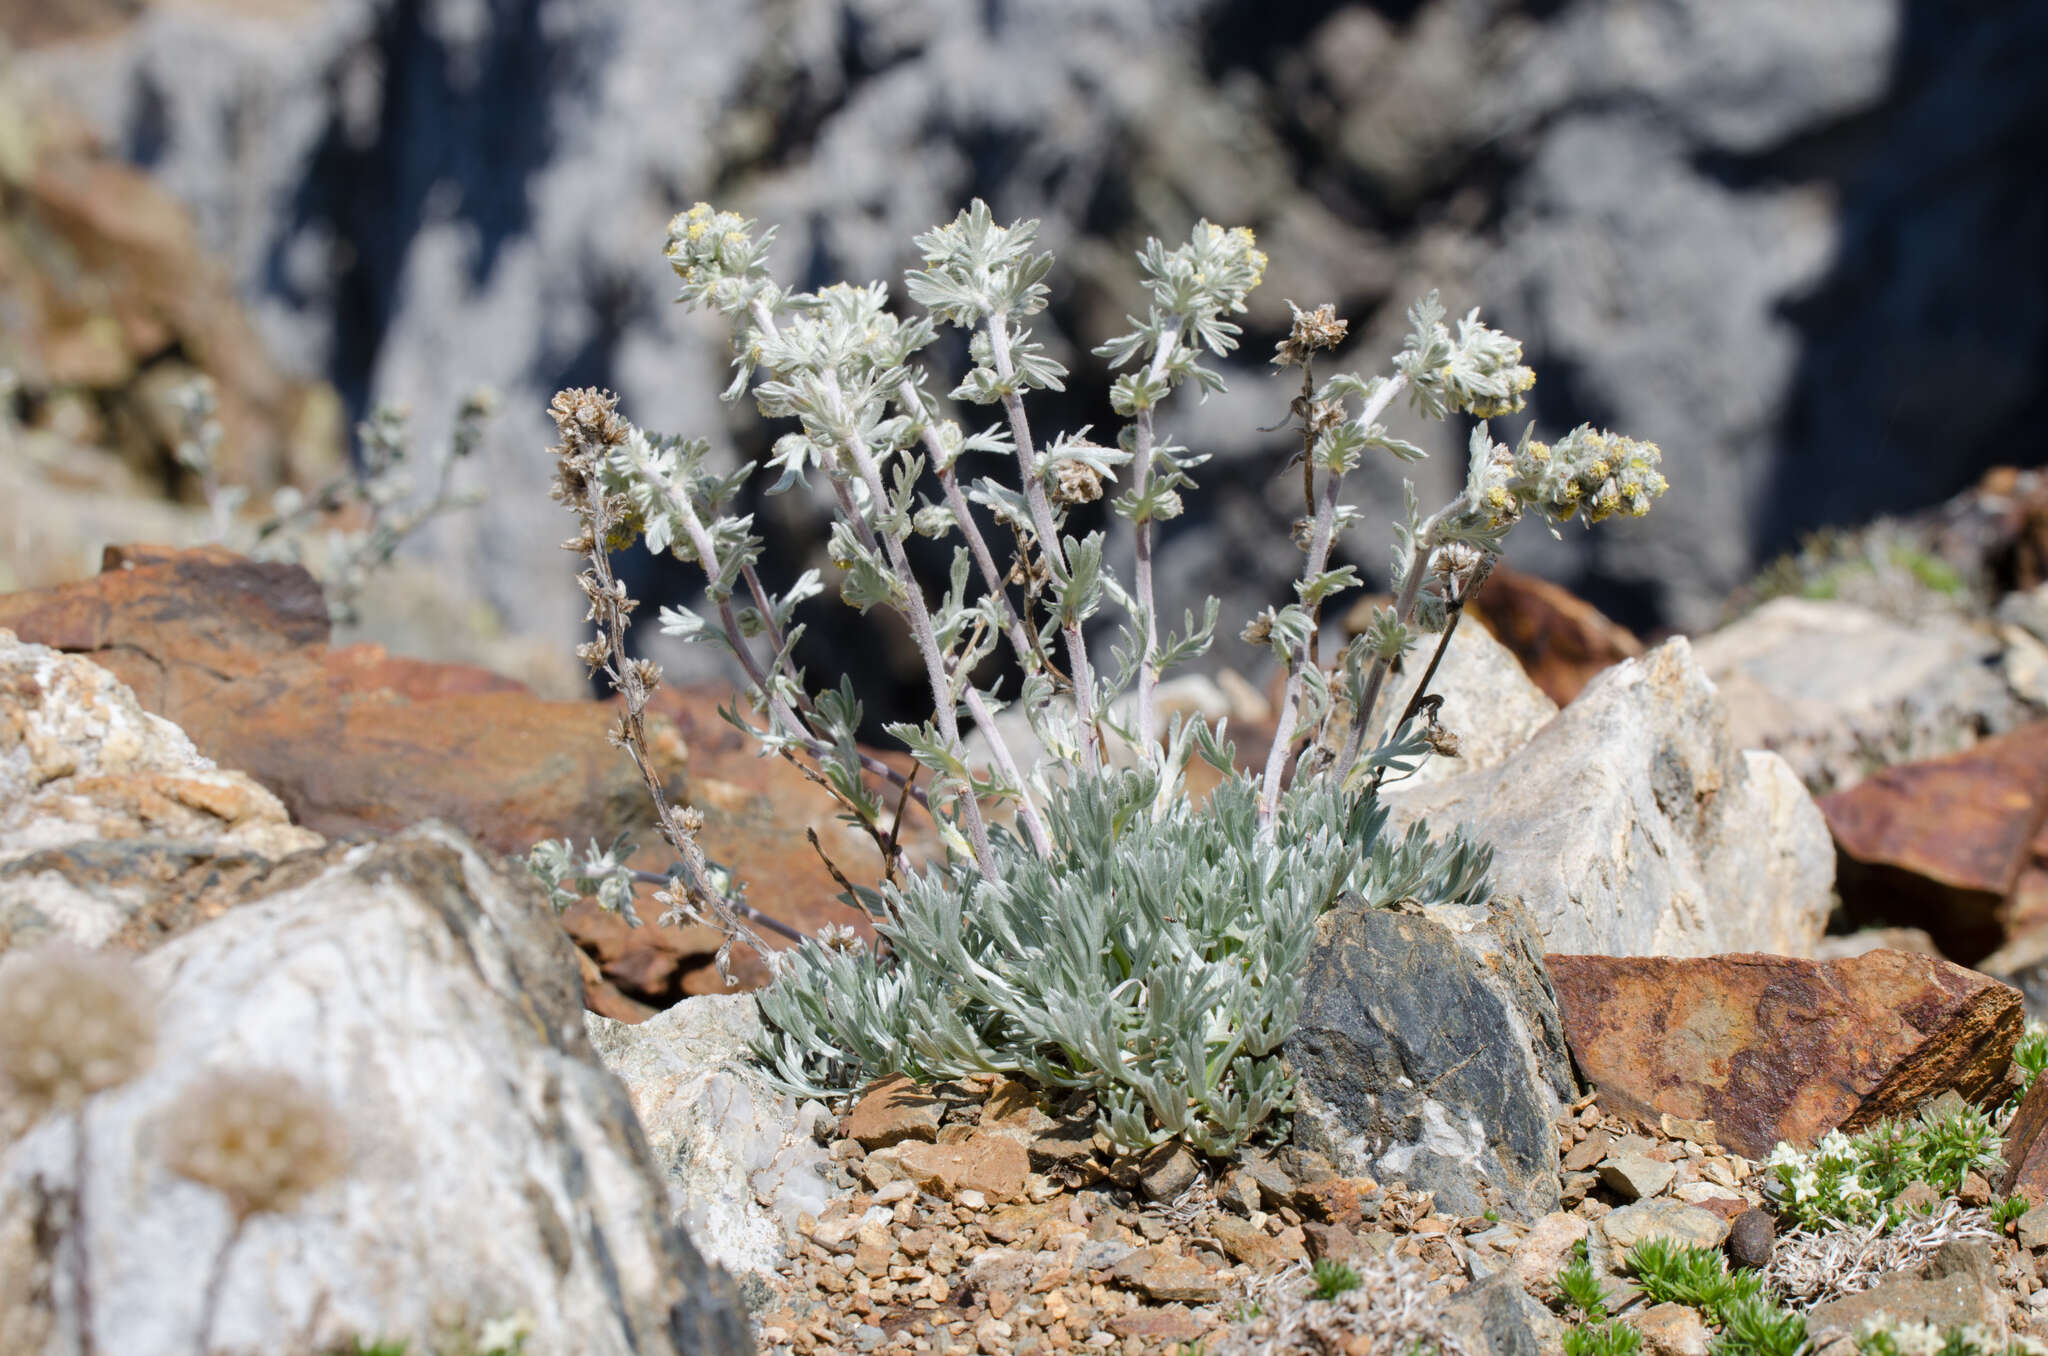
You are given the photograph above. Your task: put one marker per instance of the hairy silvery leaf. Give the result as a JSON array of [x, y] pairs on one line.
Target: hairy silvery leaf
[[1077, 591], [1192, 640], [686, 624], [1313, 591], [868, 579], [1154, 960]]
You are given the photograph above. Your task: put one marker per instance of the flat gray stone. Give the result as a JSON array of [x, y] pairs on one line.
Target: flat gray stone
[[1685, 1225], [1840, 691]]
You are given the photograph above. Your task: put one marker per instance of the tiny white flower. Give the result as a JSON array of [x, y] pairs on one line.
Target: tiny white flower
[[504, 1334]]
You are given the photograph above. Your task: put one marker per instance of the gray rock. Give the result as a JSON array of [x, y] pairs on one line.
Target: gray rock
[[1633, 824], [1865, 940], [1429, 1051], [2032, 1229], [1688, 1226], [81, 762], [1496, 1317], [1840, 691], [2023, 963], [493, 1168], [1636, 1176], [721, 1135], [1489, 704], [114, 828], [2026, 609], [1958, 1288]]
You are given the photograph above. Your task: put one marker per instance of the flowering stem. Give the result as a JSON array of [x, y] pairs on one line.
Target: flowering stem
[[740, 906], [1027, 812], [984, 560], [945, 703], [775, 637], [1048, 533], [1404, 607], [785, 715], [1320, 539], [627, 680], [1141, 479]]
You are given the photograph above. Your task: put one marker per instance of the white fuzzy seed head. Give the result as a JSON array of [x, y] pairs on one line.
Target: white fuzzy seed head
[[73, 1023]]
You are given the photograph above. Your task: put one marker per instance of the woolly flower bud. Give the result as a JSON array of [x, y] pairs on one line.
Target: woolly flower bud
[[704, 241], [1601, 474], [72, 1024], [839, 937], [263, 1140]]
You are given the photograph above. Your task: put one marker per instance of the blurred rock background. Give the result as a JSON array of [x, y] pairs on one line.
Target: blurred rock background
[[1796, 245]]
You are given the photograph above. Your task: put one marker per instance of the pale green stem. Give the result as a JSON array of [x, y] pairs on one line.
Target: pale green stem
[[1321, 537], [1148, 608], [1048, 534]]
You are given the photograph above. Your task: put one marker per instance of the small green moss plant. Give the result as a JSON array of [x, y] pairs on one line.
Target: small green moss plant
[[1846, 1180], [1735, 1300], [1610, 1338], [1579, 1289], [1087, 924], [1332, 1278], [2029, 1058]]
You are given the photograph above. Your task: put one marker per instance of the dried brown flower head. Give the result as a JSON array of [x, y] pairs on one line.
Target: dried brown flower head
[[1076, 482], [262, 1139], [1313, 330], [72, 1023]]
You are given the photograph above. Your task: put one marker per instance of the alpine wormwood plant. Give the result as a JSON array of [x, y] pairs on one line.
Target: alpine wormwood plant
[[1088, 926]]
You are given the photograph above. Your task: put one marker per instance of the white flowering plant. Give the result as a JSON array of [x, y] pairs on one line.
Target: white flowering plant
[[1846, 1180], [1087, 923]]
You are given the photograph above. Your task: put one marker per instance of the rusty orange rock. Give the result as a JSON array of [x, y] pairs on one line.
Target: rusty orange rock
[[1561, 639], [995, 1165], [358, 742], [1940, 844], [894, 1110], [2026, 1147], [1775, 1048]]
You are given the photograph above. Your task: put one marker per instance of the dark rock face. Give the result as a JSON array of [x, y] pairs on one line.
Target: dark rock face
[[1431, 1058], [1715, 223]]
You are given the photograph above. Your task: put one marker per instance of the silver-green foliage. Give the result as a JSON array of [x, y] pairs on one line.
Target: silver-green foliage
[[1154, 960]]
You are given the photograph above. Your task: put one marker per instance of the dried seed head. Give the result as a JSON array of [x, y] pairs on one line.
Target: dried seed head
[[1455, 560], [73, 1023], [261, 1139], [1317, 329], [1076, 482]]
